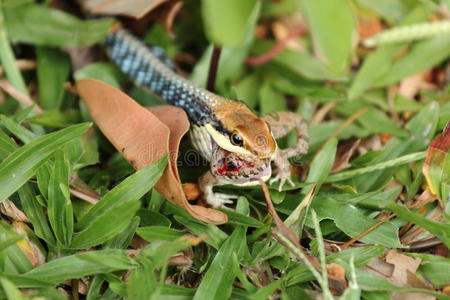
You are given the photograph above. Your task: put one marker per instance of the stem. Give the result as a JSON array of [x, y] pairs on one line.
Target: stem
[[7, 58], [213, 66]]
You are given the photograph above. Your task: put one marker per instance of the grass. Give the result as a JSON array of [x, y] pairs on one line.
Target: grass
[[77, 221]]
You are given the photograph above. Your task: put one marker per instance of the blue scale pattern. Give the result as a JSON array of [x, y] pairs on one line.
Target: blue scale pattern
[[150, 68]]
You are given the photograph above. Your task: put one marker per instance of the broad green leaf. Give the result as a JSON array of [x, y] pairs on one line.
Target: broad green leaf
[[142, 283], [374, 120], [391, 10], [320, 167], [231, 57], [270, 99], [159, 233], [435, 268], [106, 72], [40, 25], [332, 25], [60, 211], [386, 234], [20, 165], [219, 278], [422, 56], [82, 264], [52, 71], [227, 22], [246, 91]]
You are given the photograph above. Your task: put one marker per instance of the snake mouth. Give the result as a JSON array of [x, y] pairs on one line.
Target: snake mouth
[[239, 169]]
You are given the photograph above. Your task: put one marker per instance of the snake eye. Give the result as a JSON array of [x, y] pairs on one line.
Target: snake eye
[[236, 139]]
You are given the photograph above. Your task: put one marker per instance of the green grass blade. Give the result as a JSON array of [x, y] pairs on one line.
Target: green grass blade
[[60, 211], [219, 278], [20, 165], [82, 264], [116, 209], [35, 213], [380, 166], [129, 190]]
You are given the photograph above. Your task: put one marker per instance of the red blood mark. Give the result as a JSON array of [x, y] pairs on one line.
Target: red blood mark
[[227, 167]]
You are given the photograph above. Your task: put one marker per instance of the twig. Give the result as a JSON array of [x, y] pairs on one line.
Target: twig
[[18, 95], [285, 236], [347, 123], [269, 55], [75, 285], [367, 231], [23, 65], [213, 66]]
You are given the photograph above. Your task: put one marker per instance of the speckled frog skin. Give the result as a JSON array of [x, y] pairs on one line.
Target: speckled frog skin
[[239, 145]]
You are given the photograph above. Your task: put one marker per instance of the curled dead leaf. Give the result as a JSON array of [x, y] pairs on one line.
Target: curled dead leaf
[[8, 208], [437, 166], [137, 10], [143, 136]]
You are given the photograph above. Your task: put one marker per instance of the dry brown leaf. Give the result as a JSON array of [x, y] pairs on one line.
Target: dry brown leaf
[[402, 264], [173, 11], [144, 137], [344, 153], [180, 260], [137, 9], [336, 278], [403, 275], [369, 26], [8, 208], [410, 86], [34, 254]]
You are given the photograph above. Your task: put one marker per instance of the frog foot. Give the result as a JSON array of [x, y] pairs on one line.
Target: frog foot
[[219, 200], [283, 170], [282, 177]]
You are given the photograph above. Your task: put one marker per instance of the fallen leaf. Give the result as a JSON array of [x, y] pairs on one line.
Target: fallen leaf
[[410, 86], [8, 208], [344, 153], [404, 275], [34, 254], [143, 136], [437, 166], [137, 9], [369, 26], [173, 11]]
